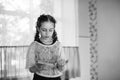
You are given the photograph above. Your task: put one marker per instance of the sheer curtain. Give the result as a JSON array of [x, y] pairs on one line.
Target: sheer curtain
[[73, 66]]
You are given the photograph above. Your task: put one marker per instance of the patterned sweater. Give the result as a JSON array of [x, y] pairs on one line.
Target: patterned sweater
[[45, 54]]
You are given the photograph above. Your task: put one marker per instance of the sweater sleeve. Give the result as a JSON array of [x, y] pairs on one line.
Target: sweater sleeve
[[30, 57]]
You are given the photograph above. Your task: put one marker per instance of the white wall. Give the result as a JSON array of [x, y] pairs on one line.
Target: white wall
[[68, 23], [84, 40], [109, 39]]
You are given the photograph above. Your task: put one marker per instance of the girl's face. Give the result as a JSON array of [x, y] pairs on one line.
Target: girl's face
[[46, 30]]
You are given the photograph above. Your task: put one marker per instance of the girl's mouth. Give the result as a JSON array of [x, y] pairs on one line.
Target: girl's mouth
[[46, 36]]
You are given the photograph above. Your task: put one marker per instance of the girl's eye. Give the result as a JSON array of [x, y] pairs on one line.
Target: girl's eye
[[43, 30], [51, 30]]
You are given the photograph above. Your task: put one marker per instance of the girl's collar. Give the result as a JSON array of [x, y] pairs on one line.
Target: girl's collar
[[46, 45]]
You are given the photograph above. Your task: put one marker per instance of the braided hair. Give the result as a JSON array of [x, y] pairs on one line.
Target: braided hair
[[44, 18]]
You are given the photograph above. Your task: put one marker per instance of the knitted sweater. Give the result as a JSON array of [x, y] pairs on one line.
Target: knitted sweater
[[41, 54]]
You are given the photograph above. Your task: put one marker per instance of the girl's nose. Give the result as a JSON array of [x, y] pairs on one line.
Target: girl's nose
[[47, 33]]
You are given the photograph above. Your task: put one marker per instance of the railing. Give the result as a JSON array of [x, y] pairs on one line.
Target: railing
[[13, 61]]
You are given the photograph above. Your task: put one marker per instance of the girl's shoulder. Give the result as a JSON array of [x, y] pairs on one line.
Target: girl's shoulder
[[32, 43]]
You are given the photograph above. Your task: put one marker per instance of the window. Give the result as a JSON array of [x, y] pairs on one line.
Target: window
[[18, 20]]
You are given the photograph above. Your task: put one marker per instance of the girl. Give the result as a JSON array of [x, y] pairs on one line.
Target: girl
[[45, 57]]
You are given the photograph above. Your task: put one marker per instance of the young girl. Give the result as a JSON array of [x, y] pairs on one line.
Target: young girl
[[45, 57]]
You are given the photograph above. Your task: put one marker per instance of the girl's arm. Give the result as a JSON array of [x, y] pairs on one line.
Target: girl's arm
[[30, 58]]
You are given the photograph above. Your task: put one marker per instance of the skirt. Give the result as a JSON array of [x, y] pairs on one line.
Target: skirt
[[38, 77]]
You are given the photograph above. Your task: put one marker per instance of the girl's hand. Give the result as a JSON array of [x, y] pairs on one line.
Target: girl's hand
[[34, 69], [61, 64]]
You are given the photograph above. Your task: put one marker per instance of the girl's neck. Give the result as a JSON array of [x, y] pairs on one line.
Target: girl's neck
[[46, 41]]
